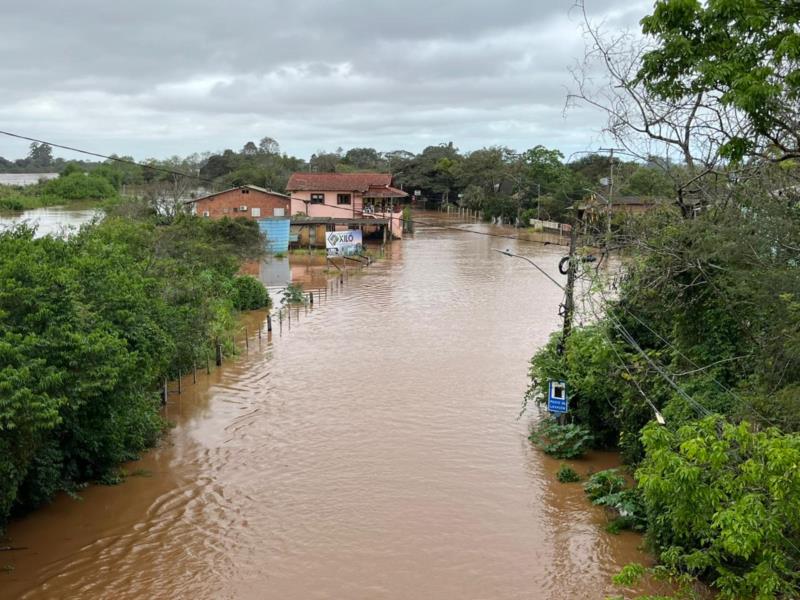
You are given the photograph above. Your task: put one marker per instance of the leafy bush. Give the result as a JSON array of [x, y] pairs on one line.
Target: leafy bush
[[603, 483], [603, 398], [607, 488], [249, 293], [567, 474], [629, 507], [77, 186], [561, 441], [294, 294], [13, 203], [723, 500]]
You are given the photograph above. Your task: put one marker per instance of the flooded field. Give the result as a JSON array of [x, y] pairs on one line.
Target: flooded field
[[51, 220], [371, 451], [25, 178]]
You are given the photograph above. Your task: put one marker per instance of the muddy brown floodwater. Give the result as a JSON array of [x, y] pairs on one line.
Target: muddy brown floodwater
[[373, 451]]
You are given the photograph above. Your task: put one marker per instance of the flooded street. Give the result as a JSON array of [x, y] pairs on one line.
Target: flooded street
[[372, 451]]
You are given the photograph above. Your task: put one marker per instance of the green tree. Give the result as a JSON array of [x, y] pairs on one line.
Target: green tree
[[40, 155], [433, 172], [648, 181], [364, 159], [744, 55], [267, 145]]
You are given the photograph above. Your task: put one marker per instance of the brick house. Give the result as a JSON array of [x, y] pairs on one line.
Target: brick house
[[243, 201]]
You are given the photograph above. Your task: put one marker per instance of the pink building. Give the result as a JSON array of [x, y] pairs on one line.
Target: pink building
[[347, 196]]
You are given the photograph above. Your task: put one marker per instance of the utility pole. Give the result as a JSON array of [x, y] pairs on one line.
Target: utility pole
[[569, 291], [610, 190]]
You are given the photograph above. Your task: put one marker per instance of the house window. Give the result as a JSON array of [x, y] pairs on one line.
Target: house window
[[226, 210], [317, 198], [255, 212], [278, 212], [342, 198]]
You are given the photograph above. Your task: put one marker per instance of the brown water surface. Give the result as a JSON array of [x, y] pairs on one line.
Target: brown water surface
[[372, 451]]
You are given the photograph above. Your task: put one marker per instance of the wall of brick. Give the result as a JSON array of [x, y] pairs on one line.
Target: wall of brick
[[226, 204]]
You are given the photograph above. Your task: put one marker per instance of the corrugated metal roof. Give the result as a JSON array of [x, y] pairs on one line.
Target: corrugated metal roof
[[384, 192]]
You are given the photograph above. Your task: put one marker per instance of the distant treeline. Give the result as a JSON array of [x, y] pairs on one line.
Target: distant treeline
[[499, 181]]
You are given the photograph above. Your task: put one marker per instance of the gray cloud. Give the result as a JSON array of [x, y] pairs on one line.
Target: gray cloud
[[156, 78]]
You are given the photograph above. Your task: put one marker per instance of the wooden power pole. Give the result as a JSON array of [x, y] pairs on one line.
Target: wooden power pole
[[569, 291]]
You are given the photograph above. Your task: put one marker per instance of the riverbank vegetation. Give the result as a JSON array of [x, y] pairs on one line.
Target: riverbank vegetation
[[700, 327], [91, 327], [71, 186]]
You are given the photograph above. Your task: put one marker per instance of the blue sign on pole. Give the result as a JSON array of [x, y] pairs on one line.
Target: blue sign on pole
[[557, 397]]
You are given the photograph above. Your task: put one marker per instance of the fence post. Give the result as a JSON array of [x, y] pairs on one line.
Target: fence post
[[219, 354], [164, 393], [208, 366], [269, 323], [311, 298], [246, 339], [180, 391], [194, 372]]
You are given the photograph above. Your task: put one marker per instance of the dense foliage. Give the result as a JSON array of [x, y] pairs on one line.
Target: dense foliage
[[249, 293], [72, 185], [90, 327], [723, 500], [80, 186], [745, 54], [704, 319], [562, 441]]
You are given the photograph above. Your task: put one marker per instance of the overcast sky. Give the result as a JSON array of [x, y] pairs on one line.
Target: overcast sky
[[164, 77]]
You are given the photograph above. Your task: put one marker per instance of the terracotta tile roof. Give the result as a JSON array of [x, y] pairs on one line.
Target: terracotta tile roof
[[337, 182]]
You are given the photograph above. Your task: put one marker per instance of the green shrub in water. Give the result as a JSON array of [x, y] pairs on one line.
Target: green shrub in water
[[567, 474], [249, 293], [561, 441], [604, 483]]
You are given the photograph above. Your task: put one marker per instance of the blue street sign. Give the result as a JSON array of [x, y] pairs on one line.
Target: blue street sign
[[557, 397]]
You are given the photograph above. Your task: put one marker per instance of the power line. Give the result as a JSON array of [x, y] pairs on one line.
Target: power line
[[106, 157], [525, 258], [669, 344], [212, 183]]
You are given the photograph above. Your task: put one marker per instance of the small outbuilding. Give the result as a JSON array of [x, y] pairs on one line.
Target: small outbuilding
[[244, 201]]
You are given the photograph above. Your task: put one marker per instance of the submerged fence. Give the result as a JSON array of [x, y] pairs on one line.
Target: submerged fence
[[276, 319]]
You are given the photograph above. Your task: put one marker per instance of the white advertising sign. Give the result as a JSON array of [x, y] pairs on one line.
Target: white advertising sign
[[343, 243]]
